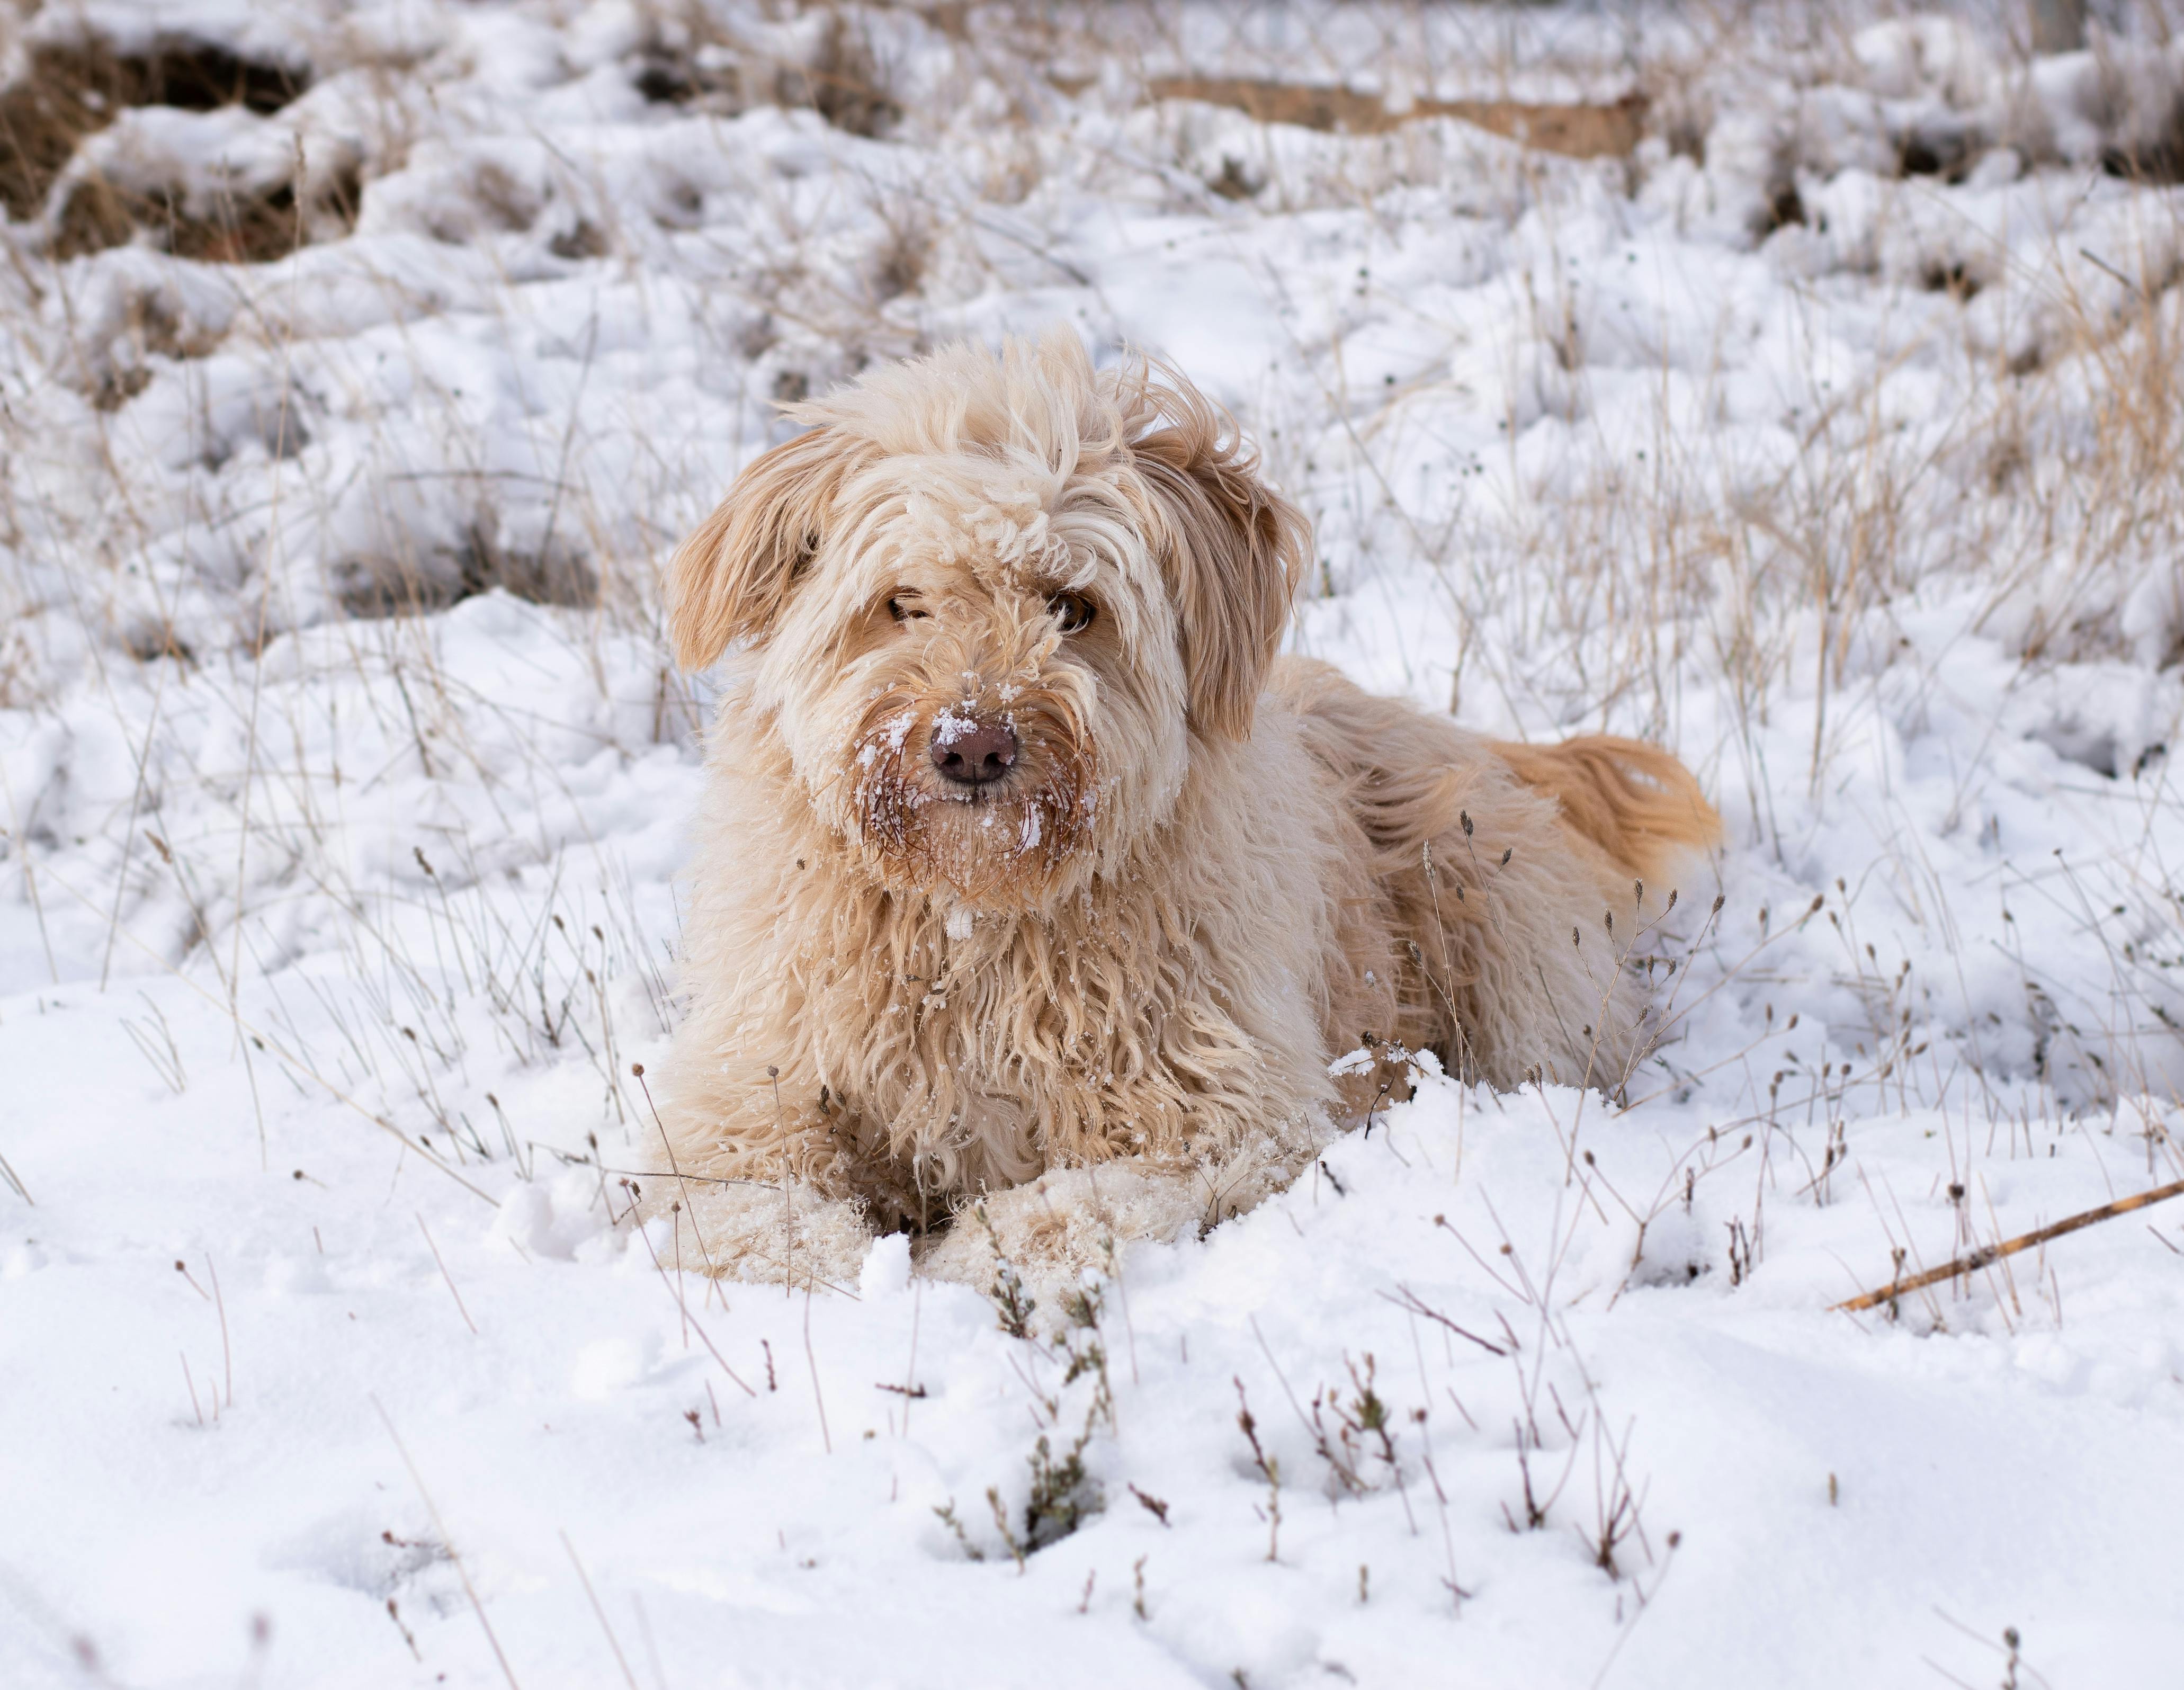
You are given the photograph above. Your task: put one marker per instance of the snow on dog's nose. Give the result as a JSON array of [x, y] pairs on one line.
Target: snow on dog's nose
[[971, 752]]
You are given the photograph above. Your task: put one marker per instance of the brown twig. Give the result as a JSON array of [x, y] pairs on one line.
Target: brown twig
[[675, 1290], [440, 1526], [591, 1597], [446, 1275], [1973, 1263], [1409, 1300]]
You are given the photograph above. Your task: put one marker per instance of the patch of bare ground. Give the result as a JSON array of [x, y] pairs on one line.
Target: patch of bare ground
[[1608, 130], [70, 91]]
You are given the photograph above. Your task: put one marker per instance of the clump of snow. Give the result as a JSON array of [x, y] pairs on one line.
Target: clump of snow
[[1830, 439]]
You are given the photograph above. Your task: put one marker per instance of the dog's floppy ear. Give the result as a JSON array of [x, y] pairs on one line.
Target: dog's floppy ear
[[1235, 552], [731, 577]]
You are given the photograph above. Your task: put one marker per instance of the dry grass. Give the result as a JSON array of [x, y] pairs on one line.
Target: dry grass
[[1571, 130], [1604, 599], [467, 969], [692, 58]]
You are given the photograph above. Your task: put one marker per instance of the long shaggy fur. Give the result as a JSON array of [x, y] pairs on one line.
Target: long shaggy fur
[[1112, 983]]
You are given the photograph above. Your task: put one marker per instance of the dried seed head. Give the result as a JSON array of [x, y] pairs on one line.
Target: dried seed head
[[1464, 817]]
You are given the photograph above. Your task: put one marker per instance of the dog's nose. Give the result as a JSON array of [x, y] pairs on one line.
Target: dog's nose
[[972, 752]]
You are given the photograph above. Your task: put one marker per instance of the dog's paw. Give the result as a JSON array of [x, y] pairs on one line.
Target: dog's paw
[[1071, 1221], [772, 1234], [1067, 1222]]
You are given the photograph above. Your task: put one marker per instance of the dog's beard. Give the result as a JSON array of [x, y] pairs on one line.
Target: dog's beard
[[1003, 843]]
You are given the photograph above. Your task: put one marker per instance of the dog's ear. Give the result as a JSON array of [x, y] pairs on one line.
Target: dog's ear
[[731, 577], [1235, 551]]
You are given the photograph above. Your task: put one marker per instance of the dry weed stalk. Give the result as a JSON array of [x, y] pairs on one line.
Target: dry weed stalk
[[1987, 1255]]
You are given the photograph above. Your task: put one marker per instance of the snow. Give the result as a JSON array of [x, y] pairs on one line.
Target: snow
[[347, 781]]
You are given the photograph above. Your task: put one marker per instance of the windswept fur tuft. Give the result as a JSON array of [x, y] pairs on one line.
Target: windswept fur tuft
[[1635, 801]]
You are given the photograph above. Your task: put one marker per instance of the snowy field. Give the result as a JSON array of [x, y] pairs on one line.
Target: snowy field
[[359, 366]]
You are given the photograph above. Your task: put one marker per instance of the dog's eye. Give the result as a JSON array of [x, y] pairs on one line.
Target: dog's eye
[[905, 610], [1073, 611]]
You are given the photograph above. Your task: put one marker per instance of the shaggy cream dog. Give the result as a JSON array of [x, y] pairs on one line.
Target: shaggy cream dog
[[1029, 872]]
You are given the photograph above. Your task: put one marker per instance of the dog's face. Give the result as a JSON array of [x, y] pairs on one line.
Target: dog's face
[[992, 604]]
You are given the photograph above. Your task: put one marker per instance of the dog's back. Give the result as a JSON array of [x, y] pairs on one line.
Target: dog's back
[[1510, 883]]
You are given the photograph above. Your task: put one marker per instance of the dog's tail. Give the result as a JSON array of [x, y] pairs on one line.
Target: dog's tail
[[1635, 801]]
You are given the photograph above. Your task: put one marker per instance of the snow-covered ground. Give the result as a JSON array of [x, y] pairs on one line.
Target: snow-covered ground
[[1833, 438]]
